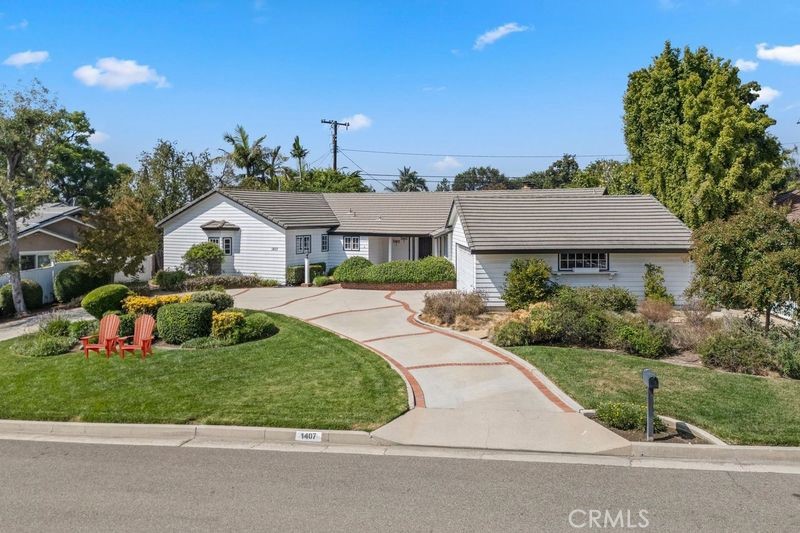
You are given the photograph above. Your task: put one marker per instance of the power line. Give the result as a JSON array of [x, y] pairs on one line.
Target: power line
[[372, 176], [502, 156]]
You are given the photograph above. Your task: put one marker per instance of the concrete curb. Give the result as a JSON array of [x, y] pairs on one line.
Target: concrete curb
[[714, 453], [675, 424], [176, 433]]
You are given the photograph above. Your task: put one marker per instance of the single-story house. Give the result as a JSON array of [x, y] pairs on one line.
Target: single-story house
[[586, 236], [52, 227]]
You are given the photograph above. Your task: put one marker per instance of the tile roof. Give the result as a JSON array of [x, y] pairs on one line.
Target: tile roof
[[286, 209], [219, 225], [45, 213], [500, 222]]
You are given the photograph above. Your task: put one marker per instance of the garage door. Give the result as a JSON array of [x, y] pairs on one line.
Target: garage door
[[465, 269]]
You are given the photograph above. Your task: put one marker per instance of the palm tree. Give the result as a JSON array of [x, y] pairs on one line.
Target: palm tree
[[299, 153], [244, 154], [408, 181], [273, 165]]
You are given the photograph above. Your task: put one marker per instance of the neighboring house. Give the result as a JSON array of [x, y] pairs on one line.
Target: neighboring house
[[587, 237], [50, 228], [790, 199]]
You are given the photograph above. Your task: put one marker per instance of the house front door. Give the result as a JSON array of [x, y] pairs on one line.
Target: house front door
[[425, 247]]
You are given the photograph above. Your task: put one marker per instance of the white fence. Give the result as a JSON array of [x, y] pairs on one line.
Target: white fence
[[46, 276]]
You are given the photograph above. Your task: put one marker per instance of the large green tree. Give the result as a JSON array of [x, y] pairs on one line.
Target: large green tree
[[617, 177], [746, 260], [479, 178], [408, 181], [697, 141], [329, 180], [299, 153], [80, 174], [32, 129], [244, 153], [560, 173]]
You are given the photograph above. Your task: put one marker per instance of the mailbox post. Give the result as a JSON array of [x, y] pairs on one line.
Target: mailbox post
[[651, 382]]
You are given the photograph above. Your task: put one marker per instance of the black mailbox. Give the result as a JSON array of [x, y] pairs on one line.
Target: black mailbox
[[650, 379]]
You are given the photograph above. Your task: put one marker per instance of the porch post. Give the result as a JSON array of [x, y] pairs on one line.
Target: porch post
[[390, 248]]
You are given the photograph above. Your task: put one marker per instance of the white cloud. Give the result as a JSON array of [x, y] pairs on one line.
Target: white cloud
[[746, 65], [98, 137], [434, 89], [448, 162], [496, 34], [784, 54], [21, 25], [112, 73], [358, 121], [29, 57], [767, 95]]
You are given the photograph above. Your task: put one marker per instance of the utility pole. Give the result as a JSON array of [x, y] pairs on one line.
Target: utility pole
[[334, 134]]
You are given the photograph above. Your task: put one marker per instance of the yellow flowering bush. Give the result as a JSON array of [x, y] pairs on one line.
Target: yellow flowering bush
[[227, 324], [138, 305]]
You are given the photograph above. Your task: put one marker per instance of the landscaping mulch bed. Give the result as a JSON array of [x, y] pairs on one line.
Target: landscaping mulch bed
[[429, 286], [670, 436]]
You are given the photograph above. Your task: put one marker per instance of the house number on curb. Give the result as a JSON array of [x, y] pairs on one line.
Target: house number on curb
[[308, 436]]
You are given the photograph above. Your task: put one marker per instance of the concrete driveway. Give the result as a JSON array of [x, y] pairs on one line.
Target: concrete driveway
[[467, 394]]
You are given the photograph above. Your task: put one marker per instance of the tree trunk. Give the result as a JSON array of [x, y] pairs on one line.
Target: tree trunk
[[13, 257], [768, 316]]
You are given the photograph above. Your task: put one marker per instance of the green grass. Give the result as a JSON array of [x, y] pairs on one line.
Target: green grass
[[737, 408], [302, 377]]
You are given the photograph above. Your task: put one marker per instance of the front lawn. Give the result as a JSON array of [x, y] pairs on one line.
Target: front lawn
[[739, 409], [302, 377]]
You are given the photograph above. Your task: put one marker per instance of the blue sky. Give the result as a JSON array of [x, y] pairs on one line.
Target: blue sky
[[546, 78]]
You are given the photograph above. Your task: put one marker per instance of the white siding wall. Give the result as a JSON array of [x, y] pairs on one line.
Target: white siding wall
[[259, 246], [629, 268], [316, 256], [338, 254], [379, 249]]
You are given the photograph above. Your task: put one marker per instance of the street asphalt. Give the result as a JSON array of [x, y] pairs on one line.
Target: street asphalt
[[89, 487]]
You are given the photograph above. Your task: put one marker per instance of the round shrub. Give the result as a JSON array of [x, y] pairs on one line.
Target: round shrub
[[614, 299], [76, 280], [510, 332], [220, 300], [429, 269], [257, 326], [527, 282], [204, 259], [542, 326], [321, 281], [127, 324], [177, 323], [227, 325], [31, 293], [171, 280], [351, 269], [635, 336], [581, 322], [104, 299], [788, 352], [744, 351], [627, 416], [42, 345], [55, 326], [83, 328]]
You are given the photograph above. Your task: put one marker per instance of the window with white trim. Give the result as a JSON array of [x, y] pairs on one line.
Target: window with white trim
[[227, 245], [215, 240], [302, 244], [324, 247], [569, 261], [30, 261], [352, 244]]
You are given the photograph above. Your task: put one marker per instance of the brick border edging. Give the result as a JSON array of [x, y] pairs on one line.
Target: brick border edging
[[545, 386], [430, 286]]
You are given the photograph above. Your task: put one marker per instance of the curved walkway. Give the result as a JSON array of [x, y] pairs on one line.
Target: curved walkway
[[467, 394]]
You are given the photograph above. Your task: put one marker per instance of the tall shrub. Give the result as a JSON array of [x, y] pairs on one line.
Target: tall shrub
[[527, 282], [76, 280], [655, 287], [204, 259]]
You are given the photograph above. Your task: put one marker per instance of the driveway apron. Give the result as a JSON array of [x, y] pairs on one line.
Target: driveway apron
[[466, 393]]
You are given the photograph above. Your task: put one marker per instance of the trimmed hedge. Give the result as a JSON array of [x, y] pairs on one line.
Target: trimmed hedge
[[321, 281], [351, 268], [203, 283], [76, 280], [32, 294], [204, 259], [178, 323], [220, 300], [104, 299], [171, 280], [430, 269], [257, 326], [295, 275], [627, 416]]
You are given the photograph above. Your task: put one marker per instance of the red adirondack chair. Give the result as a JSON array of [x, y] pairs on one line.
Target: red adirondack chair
[[106, 338], [142, 337]]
